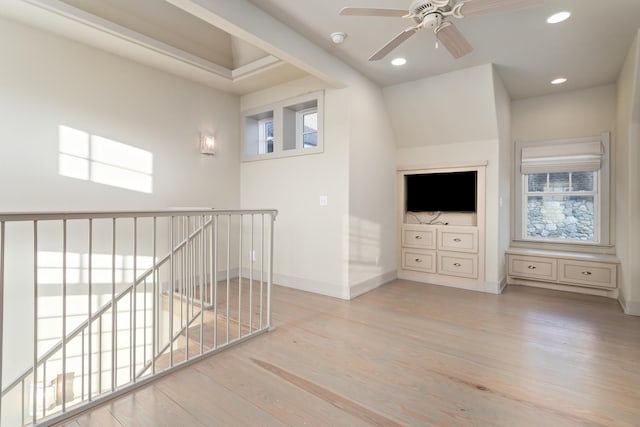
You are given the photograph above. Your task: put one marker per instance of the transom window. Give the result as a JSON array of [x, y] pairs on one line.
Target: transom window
[[308, 127], [265, 136]]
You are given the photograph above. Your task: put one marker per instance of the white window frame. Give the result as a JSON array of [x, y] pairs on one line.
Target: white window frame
[[602, 201], [300, 133], [287, 128], [263, 139]]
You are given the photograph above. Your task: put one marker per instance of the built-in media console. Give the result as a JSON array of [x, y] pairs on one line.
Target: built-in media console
[[441, 219]]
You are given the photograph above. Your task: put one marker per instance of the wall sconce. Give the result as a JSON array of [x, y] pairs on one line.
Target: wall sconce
[[207, 144]]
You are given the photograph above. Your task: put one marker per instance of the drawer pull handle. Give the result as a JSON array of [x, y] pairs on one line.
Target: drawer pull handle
[[457, 240], [418, 237], [418, 260], [587, 273], [532, 267], [457, 264]]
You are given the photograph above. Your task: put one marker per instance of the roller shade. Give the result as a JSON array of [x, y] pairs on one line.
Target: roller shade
[[563, 157]]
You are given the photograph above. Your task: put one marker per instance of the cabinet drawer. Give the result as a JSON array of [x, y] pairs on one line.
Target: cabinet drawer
[[600, 275], [458, 239], [458, 265], [536, 268], [419, 260], [414, 237]]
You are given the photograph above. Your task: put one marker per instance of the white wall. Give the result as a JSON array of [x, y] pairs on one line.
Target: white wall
[[627, 152], [448, 120], [47, 81], [310, 248], [372, 213], [574, 114], [505, 164], [450, 108]]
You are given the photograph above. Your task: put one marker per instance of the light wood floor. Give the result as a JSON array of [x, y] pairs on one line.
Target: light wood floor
[[409, 354]]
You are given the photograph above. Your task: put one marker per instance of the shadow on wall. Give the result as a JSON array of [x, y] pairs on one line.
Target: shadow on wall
[[103, 161]]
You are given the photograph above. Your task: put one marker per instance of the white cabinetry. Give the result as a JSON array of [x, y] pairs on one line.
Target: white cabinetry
[[586, 273], [440, 254], [443, 248]]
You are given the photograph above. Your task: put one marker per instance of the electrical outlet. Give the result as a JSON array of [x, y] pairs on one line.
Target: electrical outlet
[[324, 200]]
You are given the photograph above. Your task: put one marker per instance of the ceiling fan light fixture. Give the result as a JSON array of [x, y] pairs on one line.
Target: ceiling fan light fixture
[[559, 81], [556, 18], [398, 62]]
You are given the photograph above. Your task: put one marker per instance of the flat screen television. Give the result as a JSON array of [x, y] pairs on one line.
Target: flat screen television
[[441, 192]]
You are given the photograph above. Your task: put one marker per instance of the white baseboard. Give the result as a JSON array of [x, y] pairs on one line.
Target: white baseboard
[[629, 307], [322, 288], [496, 287], [371, 284]]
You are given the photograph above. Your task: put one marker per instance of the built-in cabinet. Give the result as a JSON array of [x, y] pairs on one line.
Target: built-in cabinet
[[442, 248], [579, 272]]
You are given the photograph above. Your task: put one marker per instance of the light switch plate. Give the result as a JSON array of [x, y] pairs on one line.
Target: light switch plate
[[324, 200]]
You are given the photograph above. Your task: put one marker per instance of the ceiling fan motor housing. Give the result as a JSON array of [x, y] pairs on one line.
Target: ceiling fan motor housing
[[426, 12]]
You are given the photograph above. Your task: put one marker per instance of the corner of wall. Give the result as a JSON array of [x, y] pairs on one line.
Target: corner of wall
[[629, 307], [371, 284]]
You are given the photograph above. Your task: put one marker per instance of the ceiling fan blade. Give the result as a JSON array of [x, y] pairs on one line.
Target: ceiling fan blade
[[449, 35], [481, 7], [364, 11], [394, 43]]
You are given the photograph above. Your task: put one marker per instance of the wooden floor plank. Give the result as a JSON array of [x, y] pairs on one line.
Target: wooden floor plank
[[412, 354]]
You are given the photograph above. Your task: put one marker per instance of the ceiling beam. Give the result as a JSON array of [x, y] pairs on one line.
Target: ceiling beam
[[242, 19]]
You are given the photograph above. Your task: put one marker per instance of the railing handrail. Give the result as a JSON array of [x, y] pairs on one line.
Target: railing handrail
[[195, 262], [94, 316], [102, 310], [51, 216]]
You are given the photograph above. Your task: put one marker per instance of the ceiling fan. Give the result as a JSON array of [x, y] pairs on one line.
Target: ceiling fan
[[434, 14]]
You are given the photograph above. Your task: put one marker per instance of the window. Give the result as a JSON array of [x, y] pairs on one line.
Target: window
[[288, 128], [308, 128], [562, 191], [265, 136], [562, 206]]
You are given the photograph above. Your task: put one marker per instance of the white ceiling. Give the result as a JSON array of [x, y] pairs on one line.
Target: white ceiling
[[589, 49]]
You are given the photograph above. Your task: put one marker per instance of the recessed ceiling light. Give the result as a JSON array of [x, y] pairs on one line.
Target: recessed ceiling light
[[556, 18], [558, 81], [398, 62]]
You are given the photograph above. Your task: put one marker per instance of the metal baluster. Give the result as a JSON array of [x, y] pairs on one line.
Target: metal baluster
[[228, 270], [261, 268], [270, 272], [202, 283], [44, 383], [240, 279], [35, 321], [172, 281], [189, 248], [90, 305], [64, 320], [154, 302], [251, 280], [82, 369], [135, 302], [99, 355], [214, 280], [114, 314]]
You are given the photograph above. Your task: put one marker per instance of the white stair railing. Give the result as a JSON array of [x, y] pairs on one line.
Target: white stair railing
[[93, 325]]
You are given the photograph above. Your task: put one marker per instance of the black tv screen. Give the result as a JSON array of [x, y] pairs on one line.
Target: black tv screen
[[441, 192]]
